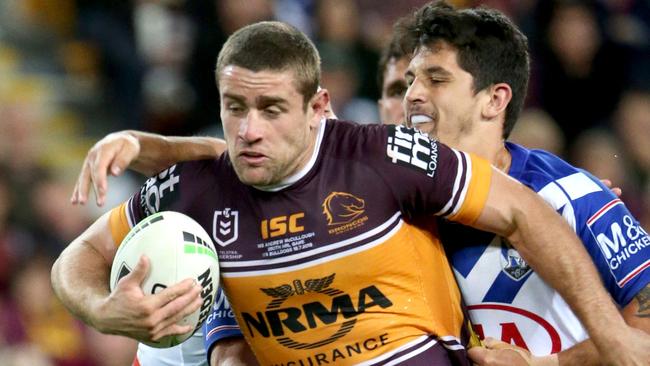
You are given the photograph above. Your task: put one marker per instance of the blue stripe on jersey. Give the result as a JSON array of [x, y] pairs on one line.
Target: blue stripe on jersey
[[505, 289], [506, 286], [464, 260]]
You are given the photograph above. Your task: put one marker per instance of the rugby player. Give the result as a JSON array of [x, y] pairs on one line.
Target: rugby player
[[465, 63], [440, 145]]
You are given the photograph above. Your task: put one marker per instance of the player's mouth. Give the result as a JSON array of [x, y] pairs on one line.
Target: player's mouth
[[417, 119], [252, 157]]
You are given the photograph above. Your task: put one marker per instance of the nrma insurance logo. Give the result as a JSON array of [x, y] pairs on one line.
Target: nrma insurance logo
[[622, 241], [288, 316]]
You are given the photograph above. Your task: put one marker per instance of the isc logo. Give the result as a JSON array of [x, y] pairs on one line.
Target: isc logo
[[281, 225]]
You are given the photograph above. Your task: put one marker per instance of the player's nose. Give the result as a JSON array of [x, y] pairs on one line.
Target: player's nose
[[251, 127], [416, 93]]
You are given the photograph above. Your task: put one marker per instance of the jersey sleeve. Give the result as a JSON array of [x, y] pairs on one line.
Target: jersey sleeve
[[430, 177], [616, 242], [220, 324], [172, 189]]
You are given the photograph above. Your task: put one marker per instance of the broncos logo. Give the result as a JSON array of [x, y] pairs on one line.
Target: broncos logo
[[341, 208]]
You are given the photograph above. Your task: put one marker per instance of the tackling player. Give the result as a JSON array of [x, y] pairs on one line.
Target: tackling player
[[416, 57], [467, 83]]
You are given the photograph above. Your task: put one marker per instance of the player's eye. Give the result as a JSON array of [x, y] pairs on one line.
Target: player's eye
[[272, 111], [397, 91], [435, 81], [234, 108]]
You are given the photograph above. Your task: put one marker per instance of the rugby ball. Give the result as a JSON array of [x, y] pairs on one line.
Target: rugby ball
[[178, 248]]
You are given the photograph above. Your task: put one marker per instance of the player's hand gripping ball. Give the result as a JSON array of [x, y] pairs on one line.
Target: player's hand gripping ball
[[178, 248]]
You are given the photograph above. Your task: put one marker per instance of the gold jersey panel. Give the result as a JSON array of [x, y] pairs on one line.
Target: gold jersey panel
[[378, 299]]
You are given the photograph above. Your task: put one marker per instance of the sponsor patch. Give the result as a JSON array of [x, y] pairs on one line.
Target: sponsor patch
[[412, 148], [288, 315], [159, 189], [516, 326], [622, 241]]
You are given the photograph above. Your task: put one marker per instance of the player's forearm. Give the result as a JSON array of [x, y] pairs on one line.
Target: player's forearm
[[636, 314], [80, 280], [232, 352], [583, 353], [556, 254], [158, 152]]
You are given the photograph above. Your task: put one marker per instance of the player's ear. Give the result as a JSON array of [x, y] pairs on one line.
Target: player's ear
[[319, 106], [497, 99]]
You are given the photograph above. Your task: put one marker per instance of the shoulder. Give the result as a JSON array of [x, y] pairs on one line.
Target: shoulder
[[182, 183], [343, 132], [538, 168], [184, 174]]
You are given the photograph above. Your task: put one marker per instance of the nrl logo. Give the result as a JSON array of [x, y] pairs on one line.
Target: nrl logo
[[513, 264], [225, 226]]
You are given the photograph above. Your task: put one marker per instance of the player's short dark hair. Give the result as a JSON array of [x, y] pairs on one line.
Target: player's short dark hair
[[490, 47], [274, 46], [391, 53]]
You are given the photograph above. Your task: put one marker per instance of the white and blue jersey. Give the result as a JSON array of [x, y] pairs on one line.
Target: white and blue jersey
[[220, 323], [506, 299]]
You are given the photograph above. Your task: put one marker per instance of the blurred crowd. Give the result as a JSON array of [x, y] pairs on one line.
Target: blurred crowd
[[72, 71]]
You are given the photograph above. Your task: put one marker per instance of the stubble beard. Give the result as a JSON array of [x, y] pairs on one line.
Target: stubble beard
[[257, 176]]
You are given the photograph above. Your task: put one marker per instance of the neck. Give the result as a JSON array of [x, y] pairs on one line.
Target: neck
[[502, 159], [489, 145]]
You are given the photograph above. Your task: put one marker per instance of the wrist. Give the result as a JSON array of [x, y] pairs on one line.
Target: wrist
[[95, 318], [610, 336], [550, 360]]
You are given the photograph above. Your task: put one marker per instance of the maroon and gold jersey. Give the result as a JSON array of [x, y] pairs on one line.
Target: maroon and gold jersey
[[335, 266]]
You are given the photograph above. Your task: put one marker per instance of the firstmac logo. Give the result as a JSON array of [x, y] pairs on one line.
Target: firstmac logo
[[412, 148]]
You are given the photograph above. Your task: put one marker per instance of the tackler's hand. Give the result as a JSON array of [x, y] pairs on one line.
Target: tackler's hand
[[111, 155], [616, 190], [497, 353]]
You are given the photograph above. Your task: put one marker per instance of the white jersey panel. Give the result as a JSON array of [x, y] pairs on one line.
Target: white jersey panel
[[188, 353], [506, 299]]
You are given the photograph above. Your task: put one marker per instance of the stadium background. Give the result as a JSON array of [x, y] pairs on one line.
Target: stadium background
[[72, 71]]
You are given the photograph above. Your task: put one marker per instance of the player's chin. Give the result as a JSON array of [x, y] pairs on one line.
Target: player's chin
[[254, 175]]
